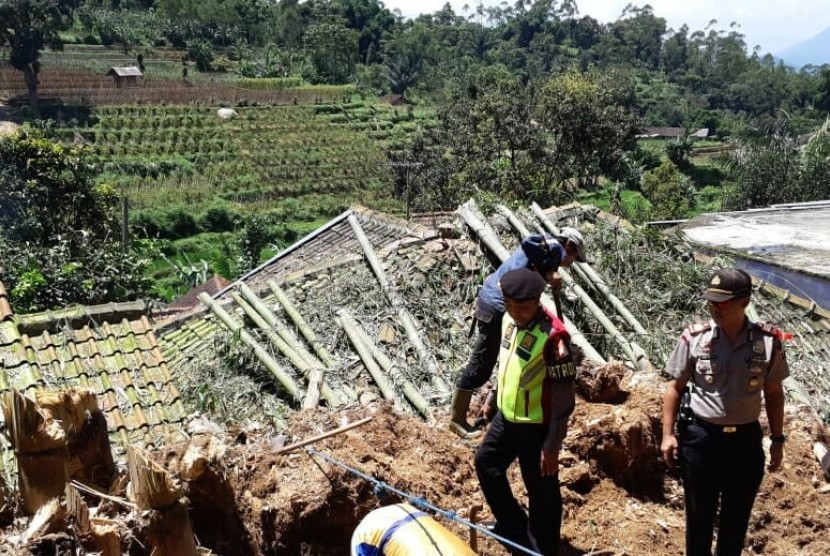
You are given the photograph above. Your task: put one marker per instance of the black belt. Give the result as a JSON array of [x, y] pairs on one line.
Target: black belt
[[725, 429]]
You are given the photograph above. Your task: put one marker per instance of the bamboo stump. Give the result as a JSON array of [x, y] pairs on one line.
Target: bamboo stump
[[152, 490], [89, 457], [100, 533], [40, 448]]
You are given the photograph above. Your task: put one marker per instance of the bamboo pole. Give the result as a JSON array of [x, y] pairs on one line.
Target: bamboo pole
[[406, 319], [592, 277], [488, 236], [323, 436], [301, 325], [39, 444], [262, 354], [409, 391], [276, 324], [639, 359], [365, 354], [290, 353], [152, 489]]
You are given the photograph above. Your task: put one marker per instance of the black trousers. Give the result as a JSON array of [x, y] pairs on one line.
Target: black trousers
[[483, 358], [505, 441], [723, 468]]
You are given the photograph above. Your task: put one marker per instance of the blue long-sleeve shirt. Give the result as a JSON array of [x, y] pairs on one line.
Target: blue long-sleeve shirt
[[540, 252]]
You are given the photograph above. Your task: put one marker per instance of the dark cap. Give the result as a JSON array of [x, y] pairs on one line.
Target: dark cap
[[573, 235], [522, 284], [728, 283]]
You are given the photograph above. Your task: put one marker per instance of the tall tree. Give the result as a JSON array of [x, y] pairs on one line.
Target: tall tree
[[28, 26]]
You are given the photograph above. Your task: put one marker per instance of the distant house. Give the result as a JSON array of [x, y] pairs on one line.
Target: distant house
[[394, 100], [673, 133], [125, 76]]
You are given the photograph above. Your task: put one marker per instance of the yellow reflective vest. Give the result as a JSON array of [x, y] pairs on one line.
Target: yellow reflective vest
[[526, 375]]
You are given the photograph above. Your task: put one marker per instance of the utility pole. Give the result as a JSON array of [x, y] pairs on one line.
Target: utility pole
[[406, 165]]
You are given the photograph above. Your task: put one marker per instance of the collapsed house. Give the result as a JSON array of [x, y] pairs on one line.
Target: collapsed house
[[367, 312]]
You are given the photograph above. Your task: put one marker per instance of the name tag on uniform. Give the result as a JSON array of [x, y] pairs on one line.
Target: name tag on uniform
[[562, 371]]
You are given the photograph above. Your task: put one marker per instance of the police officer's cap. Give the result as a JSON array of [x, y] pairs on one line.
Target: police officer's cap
[[728, 283], [522, 284]]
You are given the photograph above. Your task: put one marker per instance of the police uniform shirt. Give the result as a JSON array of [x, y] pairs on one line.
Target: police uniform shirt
[[727, 379]]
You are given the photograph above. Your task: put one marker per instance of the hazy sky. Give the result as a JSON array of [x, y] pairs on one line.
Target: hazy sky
[[772, 24]]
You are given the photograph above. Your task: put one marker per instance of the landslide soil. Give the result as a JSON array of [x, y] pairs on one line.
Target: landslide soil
[[619, 499], [618, 496]]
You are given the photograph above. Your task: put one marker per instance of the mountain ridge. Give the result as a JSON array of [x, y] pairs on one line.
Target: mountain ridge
[[815, 50]]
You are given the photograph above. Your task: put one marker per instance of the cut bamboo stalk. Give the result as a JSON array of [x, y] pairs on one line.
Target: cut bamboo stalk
[[398, 304], [592, 277], [315, 384], [49, 518], [301, 325], [323, 436], [469, 213], [287, 350], [89, 454], [262, 354], [365, 354], [279, 326], [103, 532], [409, 390], [40, 449], [639, 360], [152, 489]]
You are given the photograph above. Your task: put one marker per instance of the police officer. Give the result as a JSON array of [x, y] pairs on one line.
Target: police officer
[[540, 252], [535, 397], [727, 364]]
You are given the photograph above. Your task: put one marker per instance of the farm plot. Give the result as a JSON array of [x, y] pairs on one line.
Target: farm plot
[[186, 155]]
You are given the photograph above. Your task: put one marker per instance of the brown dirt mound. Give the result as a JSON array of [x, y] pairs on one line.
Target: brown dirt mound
[[618, 496], [619, 499]]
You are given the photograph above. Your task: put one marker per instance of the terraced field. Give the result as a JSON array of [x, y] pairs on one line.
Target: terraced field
[[163, 155]]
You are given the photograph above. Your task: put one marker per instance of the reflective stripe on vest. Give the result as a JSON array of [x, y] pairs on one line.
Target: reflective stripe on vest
[[524, 381]]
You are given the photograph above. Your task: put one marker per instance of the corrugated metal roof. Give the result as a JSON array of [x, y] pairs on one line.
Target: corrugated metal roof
[[125, 71]]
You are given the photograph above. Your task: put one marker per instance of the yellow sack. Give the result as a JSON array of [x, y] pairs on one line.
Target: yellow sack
[[401, 530]]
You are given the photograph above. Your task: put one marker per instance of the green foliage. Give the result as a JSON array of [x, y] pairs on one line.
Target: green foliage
[[46, 189], [678, 151], [228, 384], [57, 230], [331, 49], [772, 166], [200, 52], [74, 268], [28, 27], [671, 193]]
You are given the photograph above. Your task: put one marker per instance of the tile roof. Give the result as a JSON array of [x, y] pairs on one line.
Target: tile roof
[[110, 349]]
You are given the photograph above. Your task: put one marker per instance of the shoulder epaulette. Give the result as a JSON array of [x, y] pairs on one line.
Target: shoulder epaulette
[[699, 327], [769, 328]]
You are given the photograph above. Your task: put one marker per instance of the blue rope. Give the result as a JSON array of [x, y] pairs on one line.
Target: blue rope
[[381, 489]]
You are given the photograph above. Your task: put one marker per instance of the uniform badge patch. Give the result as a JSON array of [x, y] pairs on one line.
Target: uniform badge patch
[[528, 341]]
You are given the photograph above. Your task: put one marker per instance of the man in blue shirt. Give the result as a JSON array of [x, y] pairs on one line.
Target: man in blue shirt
[[540, 252]]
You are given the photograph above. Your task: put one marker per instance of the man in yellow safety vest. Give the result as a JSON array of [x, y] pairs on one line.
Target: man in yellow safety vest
[[535, 397]]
